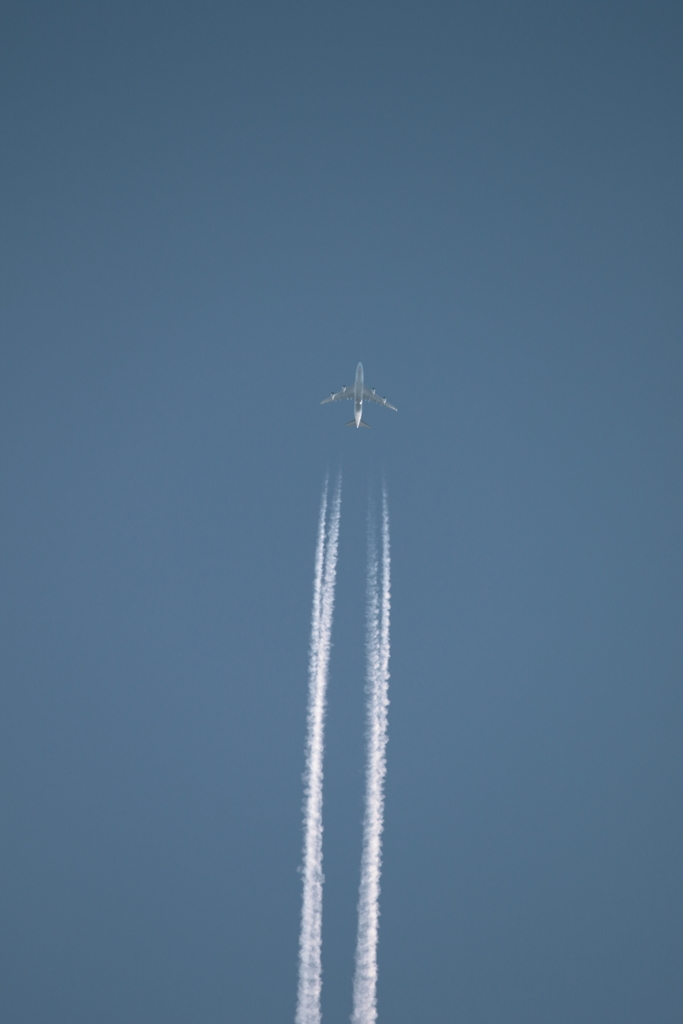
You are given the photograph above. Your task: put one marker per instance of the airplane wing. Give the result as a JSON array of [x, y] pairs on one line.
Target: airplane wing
[[344, 393], [370, 396]]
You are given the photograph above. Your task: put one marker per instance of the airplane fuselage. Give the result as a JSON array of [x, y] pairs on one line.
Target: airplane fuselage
[[358, 395]]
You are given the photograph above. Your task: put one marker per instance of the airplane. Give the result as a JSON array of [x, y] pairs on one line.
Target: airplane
[[359, 393]]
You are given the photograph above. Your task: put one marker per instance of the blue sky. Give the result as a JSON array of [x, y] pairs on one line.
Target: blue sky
[[210, 213]]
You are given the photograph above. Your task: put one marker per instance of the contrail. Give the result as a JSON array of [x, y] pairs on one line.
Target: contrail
[[310, 940], [377, 689]]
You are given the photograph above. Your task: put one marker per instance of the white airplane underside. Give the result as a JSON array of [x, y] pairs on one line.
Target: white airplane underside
[[358, 394]]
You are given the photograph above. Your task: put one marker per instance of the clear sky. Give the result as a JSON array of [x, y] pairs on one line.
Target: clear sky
[[210, 212]]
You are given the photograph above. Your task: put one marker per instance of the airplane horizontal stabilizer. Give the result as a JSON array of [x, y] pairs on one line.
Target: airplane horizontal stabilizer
[[352, 423]]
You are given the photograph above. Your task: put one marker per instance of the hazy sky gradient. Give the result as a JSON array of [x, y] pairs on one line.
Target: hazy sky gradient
[[210, 212]]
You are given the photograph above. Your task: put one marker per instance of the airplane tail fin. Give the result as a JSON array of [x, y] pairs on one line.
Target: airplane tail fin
[[362, 423]]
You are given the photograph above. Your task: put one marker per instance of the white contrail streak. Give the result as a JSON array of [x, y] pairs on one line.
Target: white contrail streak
[[377, 688], [310, 968]]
